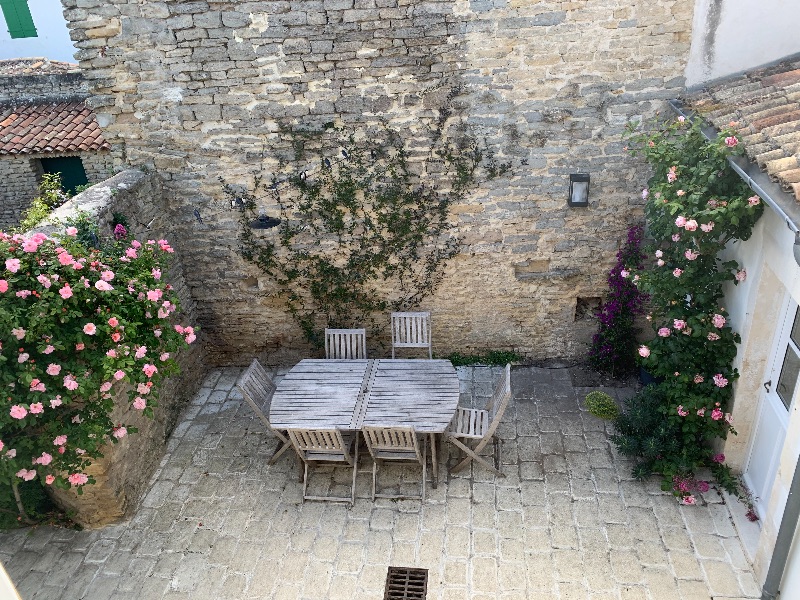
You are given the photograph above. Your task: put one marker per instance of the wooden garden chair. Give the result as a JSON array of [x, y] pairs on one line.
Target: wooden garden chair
[[395, 444], [326, 446], [411, 330], [257, 388], [345, 343], [480, 424]]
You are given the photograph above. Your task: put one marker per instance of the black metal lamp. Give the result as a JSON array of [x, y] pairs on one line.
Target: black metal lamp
[[578, 189], [264, 222]]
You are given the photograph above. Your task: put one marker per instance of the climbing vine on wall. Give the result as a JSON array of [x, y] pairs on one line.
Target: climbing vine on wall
[[365, 221]]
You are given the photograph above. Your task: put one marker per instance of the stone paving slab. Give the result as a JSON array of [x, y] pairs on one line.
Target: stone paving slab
[[567, 521]]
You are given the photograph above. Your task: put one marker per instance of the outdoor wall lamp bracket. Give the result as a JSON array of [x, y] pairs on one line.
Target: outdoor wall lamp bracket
[[578, 190]]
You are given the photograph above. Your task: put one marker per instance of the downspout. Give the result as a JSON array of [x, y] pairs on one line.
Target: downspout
[[761, 185]]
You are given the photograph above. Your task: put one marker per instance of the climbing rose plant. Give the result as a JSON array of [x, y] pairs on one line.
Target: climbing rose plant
[[696, 206], [76, 323]]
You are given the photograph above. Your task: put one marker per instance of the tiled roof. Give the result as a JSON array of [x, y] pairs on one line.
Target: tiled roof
[[46, 128], [765, 103], [35, 66]]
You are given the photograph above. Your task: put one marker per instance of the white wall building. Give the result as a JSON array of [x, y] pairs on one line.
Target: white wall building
[[34, 28]]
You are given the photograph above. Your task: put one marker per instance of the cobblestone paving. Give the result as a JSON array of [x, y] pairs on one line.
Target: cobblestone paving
[[566, 523]]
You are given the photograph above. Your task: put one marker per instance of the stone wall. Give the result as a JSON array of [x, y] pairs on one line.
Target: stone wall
[[123, 474], [21, 176], [197, 89], [41, 87]]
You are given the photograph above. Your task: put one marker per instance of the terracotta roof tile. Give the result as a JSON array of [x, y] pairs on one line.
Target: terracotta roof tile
[[765, 104], [45, 128]]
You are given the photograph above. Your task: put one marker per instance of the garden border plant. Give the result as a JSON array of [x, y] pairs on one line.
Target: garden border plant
[[82, 330], [696, 206], [357, 218]]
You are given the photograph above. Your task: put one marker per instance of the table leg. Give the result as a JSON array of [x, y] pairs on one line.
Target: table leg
[[434, 461]]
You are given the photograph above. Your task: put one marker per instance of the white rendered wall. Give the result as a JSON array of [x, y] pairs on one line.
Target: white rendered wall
[[52, 39], [729, 36]]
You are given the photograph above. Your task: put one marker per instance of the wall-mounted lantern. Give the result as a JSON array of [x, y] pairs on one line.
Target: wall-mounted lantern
[[578, 189]]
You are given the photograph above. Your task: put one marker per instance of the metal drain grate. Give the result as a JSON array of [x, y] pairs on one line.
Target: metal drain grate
[[406, 584]]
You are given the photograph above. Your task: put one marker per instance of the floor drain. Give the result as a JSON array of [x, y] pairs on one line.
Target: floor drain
[[406, 584]]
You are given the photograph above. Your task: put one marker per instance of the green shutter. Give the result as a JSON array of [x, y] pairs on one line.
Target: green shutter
[[18, 18]]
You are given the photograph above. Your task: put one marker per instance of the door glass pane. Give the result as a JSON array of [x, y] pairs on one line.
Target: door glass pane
[[788, 379], [795, 335]]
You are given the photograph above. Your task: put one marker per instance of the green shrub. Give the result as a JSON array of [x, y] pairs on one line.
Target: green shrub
[[50, 197], [602, 405], [491, 358]]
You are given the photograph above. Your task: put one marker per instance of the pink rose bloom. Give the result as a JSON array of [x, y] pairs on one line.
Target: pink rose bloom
[[672, 175], [140, 352], [680, 193], [11, 453], [149, 370], [3, 286], [80, 346], [645, 193], [55, 402], [1, 444], [162, 314], [30, 246], [660, 262], [90, 329], [37, 386], [37, 408], [681, 411], [678, 324], [701, 412], [66, 259], [624, 274], [644, 351], [12, 264], [23, 357], [53, 369], [131, 253], [164, 357], [688, 500], [699, 379], [716, 414], [111, 353], [26, 474], [718, 458], [78, 451], [49, 349], [706, 227], [728, 418], [677, 272], [120, 432], [712, 337], [691, 225], [676, 237], [18, 412], [78, 479], [103, 286], [741, 275], [139, 403], [178, 328], [66, 292], [116, 336], [23, 293], [156, 273], [753, 200], [680, 221], [107, 275], [113, 321], [18, 332], [720, 381], [731, 141], [190, 338], [60, 440], [119, 375], [691, 255], [44, 280], [45, 459], [72, 231], [157, 333], [142, 388], [49, 479], [70, 383], [718, 320], [154, 295], [664, 332], [659, 254], [105, 386], [136, 244], [681, 119]]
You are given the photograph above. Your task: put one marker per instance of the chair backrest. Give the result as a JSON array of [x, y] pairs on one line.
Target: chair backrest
[[345, 343], [499, 401], [401, 440], [322, 442], [257, 388], [411, 330]]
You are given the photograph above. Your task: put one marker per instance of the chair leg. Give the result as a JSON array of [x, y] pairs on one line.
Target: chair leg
[[280, 448], [374, 477], [355, 472], [424, 464], [471, 455], [305, 480]]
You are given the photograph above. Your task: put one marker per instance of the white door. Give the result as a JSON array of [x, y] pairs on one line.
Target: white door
[[773, 415]]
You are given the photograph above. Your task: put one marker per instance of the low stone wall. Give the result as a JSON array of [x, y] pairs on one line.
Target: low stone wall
[[125, 471], [20, 177]]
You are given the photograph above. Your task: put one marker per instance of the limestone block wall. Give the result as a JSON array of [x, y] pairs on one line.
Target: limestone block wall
[[123, 474], [195, 89], [24, 87]]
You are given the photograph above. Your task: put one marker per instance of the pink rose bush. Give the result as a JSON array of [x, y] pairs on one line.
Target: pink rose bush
[[74, 321], [670, 426]]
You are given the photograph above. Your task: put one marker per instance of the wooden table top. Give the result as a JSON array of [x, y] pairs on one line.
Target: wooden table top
[[348, 394]]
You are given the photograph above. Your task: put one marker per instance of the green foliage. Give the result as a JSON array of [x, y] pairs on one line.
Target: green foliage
[[602, 405], [50, 197], [82, 188], [492, 358], [696, 206], [357, 218]]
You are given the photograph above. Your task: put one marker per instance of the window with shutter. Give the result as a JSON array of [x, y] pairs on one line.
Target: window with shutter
[[18, 18]]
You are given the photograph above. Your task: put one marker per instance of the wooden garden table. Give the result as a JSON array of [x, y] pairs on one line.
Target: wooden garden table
[[349, 394]]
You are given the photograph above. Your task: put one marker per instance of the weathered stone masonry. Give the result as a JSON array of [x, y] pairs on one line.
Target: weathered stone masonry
[[198, 89]]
